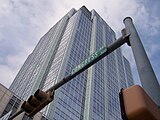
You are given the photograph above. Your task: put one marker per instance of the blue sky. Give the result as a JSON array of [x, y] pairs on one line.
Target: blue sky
[[22, 23]]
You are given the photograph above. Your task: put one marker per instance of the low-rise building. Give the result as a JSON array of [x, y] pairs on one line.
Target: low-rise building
[[10, 103]]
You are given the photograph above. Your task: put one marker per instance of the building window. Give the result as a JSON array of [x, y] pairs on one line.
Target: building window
[[12, 105]]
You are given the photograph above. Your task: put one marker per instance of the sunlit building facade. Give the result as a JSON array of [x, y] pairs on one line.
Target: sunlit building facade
[[92, 95]]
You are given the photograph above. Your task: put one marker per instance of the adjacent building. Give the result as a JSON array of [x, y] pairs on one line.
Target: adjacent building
[[92, 95], [10, 103]]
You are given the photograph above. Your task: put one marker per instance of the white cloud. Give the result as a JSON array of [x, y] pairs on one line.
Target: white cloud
[[7, 75], [11, 66], [5, 7], [154, 26]]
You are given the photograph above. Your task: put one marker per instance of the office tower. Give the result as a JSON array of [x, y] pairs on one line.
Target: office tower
[[92, 95]]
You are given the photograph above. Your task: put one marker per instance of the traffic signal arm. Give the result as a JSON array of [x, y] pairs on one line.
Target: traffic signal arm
[[31, 107], [107, 50]]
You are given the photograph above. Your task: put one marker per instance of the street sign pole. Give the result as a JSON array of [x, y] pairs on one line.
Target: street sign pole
[[102, 52]]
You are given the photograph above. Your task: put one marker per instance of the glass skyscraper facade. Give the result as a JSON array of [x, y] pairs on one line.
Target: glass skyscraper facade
[[93, 94]]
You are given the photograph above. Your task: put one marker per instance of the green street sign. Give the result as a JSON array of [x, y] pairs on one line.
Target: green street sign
[[91, 58]]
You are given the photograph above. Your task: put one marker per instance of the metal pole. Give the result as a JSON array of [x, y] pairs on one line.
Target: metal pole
[[120, 41], [146, 73], [16, 114]]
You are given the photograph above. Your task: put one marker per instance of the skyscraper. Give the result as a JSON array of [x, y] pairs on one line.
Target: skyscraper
[[92, 95]]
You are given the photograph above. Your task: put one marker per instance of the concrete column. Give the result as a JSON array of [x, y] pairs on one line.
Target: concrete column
[[145, 70]]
